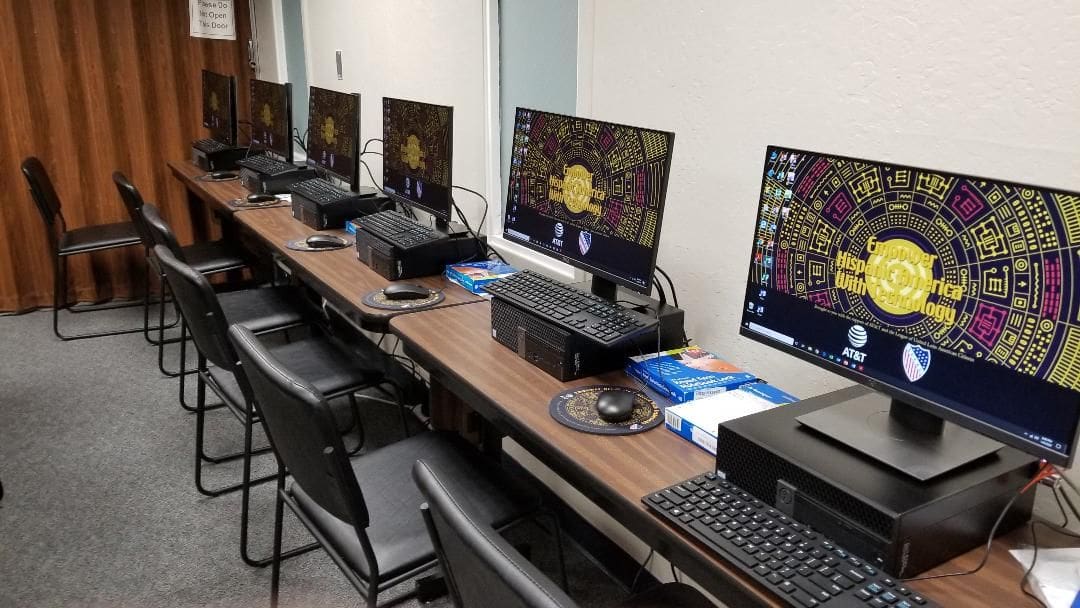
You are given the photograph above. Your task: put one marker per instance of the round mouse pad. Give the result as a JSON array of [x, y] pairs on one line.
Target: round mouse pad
[[206, 178], [576, 408], [301, 245], [378, 299]]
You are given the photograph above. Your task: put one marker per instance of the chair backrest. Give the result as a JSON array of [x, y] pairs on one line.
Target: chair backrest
[[45, 198], [481, 567], [133, 201], [201, 310], [302, 432], [160, 230]]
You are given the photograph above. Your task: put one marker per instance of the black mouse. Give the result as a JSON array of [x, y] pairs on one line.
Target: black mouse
[[405, 291], [222, 175], [615, 405], [325, 241], [260, 197]]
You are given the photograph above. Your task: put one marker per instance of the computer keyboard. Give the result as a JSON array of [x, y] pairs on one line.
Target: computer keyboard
[[265, 164], [210, 145], [583, 313], [399, 229], [319, 190], [794, 561]]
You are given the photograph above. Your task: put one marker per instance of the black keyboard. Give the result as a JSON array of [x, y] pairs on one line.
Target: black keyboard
[[319, 190], [794, 561], [580, 312], [265, 164], [399, 229], [210, 145]]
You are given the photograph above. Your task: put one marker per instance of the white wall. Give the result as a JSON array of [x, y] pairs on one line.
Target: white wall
[[988, 87], [411, 49]]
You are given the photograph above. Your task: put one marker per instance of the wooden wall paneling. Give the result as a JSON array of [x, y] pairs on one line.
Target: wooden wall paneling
[[93, 86]]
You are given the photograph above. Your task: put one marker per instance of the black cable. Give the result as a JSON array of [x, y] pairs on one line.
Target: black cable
[[368, 169], [1035, 552], [674, 295], [674, 575], [648, 558], [480, 228], [660, 292], [363, 149], [301, 140]]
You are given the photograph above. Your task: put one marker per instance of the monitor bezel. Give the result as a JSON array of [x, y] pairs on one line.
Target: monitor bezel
[[438, 213], [288, 114], [922, 403], [599, 272], [233, 127], [354, 179]]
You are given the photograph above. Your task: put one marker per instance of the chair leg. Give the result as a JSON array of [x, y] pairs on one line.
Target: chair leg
[[275, 560], [60, 301], [146, 306], [162, 342], [357, 424]]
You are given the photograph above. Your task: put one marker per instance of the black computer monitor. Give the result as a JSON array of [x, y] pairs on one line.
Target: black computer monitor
[[219, 106], [417, 155], [271, 118], [589, 193], [955, 297], [334, 133]]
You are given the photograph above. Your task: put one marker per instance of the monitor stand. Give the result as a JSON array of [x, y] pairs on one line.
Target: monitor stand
[[899, 435], [604, 288], [451, 229]]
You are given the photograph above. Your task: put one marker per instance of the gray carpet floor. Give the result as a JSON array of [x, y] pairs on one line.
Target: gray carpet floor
[[100, 507]]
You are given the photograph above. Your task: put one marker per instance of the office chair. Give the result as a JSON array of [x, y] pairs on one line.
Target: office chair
[[482, 569], [206, 258], [335, 372], [64, 243], [375, 535]]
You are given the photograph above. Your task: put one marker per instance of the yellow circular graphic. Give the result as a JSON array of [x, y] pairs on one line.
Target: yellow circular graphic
[[896, 273], [267, 115], [215, 104], [329, 132], [412, 154], [577, 188]]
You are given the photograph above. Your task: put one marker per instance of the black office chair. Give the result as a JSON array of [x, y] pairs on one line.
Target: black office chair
[[335, 371], [64, 243], [375, 536], [482, 569], [206, 258]]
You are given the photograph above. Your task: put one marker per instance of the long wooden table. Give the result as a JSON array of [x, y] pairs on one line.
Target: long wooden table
[[337, 275], [456, 347]]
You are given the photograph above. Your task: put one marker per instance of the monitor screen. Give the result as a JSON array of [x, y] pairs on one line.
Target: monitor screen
[[219, 106], [951, 292], [334, 128], [589, 193], [271, 118], [417, 152]]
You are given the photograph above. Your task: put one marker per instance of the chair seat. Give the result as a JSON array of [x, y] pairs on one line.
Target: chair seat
[[213, 256], [97, 238], [399, 538], [263, 309], [233, 398], [667, 595]]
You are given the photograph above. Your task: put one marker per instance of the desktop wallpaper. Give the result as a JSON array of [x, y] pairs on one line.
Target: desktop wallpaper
[[217, 106], [589, 191], [269, 118], [979, 269], [416, 139], [332, 124]]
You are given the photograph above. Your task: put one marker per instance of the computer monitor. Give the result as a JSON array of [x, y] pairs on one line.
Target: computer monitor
[[271, 118], [417, 153], [955, 297], [219, 106], [589, 193], [334, 133]]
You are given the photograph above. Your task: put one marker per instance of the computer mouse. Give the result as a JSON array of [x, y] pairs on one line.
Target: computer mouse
[[260, 197], [405, 291], [222, 175], [324, 241], [615, 405]]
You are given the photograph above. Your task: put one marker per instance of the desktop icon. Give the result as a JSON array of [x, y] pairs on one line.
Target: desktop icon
[[916, 361], [559, 229], [857, 336], [584, 241]]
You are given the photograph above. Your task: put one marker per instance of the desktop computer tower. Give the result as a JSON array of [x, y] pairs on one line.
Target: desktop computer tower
[[567, 355], [334, 214], [425, 260], [217, 160], [900, 524], [274, 184]]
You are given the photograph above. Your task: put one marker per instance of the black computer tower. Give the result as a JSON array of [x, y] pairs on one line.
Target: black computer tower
[[334, 214]]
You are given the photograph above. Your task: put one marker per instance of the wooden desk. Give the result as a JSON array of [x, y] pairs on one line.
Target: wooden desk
[[456, 347], [337, 275]]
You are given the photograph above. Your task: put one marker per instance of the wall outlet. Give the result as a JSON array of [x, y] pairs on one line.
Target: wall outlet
[[337, 59]]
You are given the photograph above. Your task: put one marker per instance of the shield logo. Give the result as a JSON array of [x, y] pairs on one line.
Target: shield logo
[[584, 241], [916, 361]]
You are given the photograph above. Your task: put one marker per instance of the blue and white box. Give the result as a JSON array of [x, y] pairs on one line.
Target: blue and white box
[[685, 374], [698, 420]]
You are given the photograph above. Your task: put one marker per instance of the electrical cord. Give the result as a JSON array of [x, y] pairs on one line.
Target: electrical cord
[[674, 295], [364, 150], [1035, 540], [644, 564], [483, 198]]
